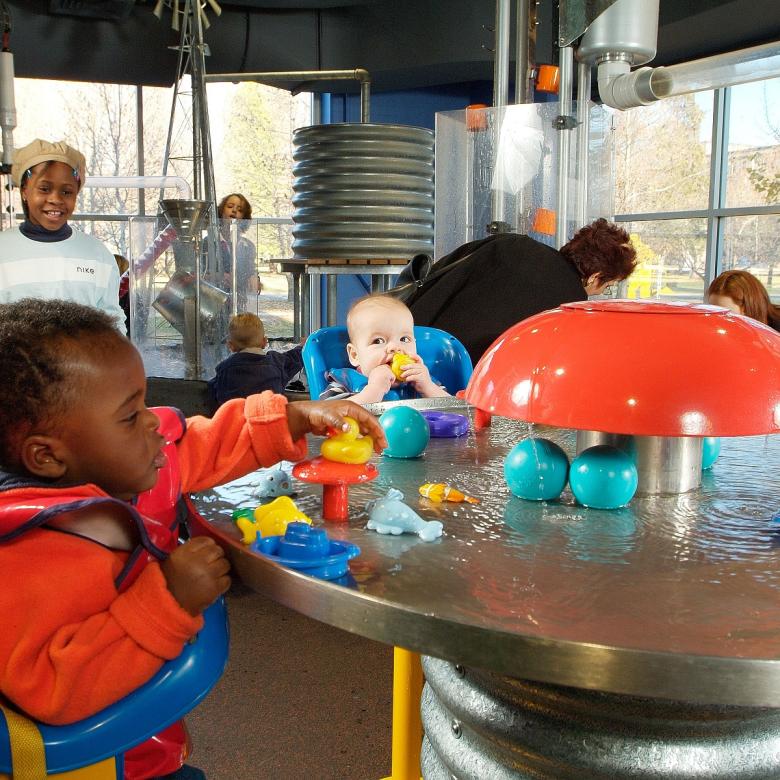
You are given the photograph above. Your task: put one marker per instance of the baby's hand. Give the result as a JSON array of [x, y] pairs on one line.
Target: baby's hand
[[320, 417], [381, 378], [418, 376], [197, 573]]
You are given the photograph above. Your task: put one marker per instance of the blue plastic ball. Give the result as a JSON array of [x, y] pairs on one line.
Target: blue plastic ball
[[710, 449], [406, 430], [603, 477], [536, 469]]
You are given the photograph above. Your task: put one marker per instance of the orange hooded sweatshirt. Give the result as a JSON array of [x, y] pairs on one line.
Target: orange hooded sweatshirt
[[70, 642]]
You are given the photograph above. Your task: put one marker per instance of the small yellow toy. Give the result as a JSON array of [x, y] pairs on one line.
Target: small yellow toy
[[400, 359], [438, 492], [348, 446], [270, 519]]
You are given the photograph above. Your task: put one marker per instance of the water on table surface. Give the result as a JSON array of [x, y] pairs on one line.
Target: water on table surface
[[690, 573]]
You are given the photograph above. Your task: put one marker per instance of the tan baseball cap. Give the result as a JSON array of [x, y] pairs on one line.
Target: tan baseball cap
[[45, 151]]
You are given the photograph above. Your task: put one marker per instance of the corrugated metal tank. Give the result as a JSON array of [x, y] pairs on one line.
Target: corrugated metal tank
[[363, 191]]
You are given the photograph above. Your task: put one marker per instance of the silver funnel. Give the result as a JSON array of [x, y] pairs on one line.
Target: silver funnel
[[188, 217]]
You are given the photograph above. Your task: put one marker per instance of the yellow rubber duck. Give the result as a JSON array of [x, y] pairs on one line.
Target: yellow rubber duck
[[348, 446], [400, 359], [271, 519]]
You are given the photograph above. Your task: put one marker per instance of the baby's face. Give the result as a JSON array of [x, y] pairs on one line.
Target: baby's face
[[379, 330], [110, 437]]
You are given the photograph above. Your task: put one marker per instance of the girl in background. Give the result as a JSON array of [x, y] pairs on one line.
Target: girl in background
[[236, 206], [743, 293]]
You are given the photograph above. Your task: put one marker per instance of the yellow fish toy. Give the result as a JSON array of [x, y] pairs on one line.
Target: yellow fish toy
[[438, 492]]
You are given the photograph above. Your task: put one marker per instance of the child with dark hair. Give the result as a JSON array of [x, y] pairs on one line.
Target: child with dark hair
[[96, 594], [45, 257], [252, 368]]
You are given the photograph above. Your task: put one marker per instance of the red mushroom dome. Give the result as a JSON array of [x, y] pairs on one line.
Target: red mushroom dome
[[633, 367]]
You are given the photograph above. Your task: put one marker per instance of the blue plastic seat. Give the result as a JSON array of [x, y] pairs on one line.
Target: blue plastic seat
[[175, 690], [446, 358]]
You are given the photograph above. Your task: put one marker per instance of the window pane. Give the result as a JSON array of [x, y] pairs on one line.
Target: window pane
[[670, 256], [750, 243], [662, 155], [251, 132], [754, 145], [97, 119]]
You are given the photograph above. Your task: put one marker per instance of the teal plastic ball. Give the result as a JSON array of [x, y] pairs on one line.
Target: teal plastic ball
[[710, 449], [603, 477], [536, 469], [406, 430]]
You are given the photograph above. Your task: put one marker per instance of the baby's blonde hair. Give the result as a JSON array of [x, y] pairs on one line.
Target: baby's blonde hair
[[246, 330], [378, 299]]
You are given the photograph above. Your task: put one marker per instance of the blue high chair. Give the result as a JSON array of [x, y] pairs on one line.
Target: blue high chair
[[448, 363], [446, 358], [93, 748]]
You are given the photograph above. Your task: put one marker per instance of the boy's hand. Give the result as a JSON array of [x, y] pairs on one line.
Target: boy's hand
[[197, 574], [320, 417]]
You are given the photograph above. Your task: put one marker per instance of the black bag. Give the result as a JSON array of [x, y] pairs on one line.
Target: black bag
[[486, 286], [420, 274]]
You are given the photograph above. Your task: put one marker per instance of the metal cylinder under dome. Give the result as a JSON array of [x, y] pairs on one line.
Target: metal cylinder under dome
[[479, 724], [363, 191]]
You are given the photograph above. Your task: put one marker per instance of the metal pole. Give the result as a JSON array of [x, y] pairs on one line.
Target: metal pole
[[583, 132], [234, 265], [179, 73], [139, 144], [500, 98], [356, 74], [501, 59], [365, 101], [522, 49], [564, 124]]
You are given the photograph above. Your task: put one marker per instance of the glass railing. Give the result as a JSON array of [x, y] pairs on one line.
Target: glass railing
[[180, 308]]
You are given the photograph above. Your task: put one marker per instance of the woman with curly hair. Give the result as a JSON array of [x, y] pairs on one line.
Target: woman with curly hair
[[507, 277]]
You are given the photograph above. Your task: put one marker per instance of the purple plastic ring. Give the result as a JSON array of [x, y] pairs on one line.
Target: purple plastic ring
[[446, 424]]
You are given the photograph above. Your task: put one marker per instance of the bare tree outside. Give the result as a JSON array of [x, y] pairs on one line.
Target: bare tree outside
[[662, 163]]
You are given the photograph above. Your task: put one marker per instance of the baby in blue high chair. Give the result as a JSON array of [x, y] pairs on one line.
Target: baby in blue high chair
[[381, 337]]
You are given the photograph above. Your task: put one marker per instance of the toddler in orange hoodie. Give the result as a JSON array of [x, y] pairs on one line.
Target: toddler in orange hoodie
[[95, 593]]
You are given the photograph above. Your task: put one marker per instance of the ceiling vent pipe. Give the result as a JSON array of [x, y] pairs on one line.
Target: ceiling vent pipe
[[624, 36]]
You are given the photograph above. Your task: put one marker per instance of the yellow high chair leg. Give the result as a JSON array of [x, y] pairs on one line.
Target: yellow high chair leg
[[407, 725], [29, 754]]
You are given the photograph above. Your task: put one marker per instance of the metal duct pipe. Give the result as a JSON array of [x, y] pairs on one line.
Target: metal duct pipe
[[622, 88], [357, 74], [7, 105], [363, 191], [624, 36], [627, 30]]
